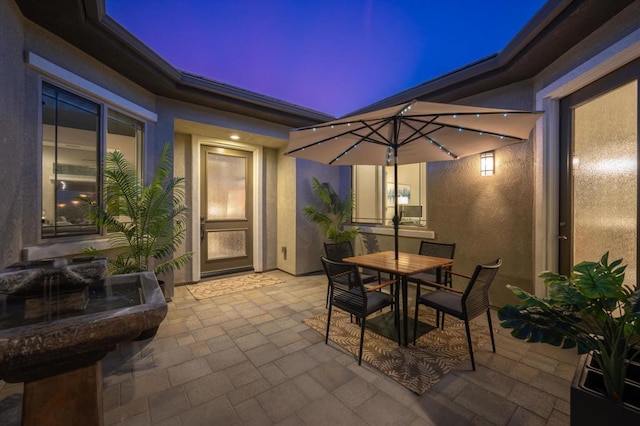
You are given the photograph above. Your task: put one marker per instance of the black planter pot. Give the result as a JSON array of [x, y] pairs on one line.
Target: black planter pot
[[590, 406]]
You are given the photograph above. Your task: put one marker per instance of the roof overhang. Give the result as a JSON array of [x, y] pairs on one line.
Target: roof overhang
[[85, 24], [556, 28]]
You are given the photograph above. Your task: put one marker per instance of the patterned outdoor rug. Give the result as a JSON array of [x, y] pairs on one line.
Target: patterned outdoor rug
[[418, 367], [222, 286]]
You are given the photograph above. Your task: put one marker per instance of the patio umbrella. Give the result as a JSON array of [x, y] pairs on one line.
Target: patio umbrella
[[415, 132]]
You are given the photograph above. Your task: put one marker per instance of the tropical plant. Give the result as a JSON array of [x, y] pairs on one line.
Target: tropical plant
[[334, 216], [146, 223], [591, 309]]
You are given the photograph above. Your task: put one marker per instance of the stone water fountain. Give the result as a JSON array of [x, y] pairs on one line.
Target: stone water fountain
[[58, 319]]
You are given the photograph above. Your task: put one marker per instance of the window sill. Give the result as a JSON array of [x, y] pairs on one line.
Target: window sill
[[403, 231]]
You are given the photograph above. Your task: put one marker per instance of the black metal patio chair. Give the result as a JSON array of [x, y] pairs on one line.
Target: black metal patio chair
[[348, 293], [466, 305], [340, 250]]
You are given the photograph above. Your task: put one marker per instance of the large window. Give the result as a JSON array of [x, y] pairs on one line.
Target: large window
[[75, 134], [373, 188]]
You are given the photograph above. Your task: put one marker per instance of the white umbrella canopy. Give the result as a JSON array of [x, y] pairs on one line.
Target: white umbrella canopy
[[415, 132]]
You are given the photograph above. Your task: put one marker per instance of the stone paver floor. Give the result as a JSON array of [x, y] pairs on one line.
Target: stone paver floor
[[247, 359]]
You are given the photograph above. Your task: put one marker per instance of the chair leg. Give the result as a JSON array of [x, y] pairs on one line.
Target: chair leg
[[326, 304], [466, 326], [326, 338], [493, 342], [363, 320], [415, 322], [442, 323], [391, 288]]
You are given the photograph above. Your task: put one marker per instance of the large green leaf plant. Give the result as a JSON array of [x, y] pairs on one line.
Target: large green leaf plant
[[334, 215], [146, 223], [591, 309]]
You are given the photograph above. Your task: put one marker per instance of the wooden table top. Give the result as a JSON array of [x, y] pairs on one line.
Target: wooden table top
[[406, 264]]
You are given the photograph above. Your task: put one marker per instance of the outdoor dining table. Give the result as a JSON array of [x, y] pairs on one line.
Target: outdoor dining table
[[405, 265]]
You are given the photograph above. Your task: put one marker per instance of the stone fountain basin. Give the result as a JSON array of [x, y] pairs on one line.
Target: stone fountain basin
[[30, 279], [34, 349]]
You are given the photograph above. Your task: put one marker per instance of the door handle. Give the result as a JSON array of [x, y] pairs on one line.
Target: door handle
[[202, 225], [563, 237]]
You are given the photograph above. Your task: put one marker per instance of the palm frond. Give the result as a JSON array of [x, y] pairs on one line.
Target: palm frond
[[334, 214], [144, 221]]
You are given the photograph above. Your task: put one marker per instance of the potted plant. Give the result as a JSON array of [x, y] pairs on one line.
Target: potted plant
[[336, 213], [146, 223], [594, 311]]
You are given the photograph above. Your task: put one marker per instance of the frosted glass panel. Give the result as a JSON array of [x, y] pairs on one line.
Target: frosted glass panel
[[605, 178], [225, 244], [226, 187]]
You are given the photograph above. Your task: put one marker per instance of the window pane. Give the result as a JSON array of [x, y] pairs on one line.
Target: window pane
[[367, 188], [374, 193], [70, 142], [125, 134], [226, 244], [412, 194], [226, 187], [605, 178]]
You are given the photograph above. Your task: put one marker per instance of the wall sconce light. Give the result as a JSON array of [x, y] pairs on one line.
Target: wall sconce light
[[487, 163]]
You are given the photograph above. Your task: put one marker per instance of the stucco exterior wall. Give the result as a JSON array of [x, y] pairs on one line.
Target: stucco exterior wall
[[309, 239], [182, 168], [287, 221], [19, 110], [301, 238], [16, 173], [270, 227], [492, 216]]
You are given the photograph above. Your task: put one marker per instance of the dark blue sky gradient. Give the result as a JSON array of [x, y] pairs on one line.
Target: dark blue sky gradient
[[329, 55]]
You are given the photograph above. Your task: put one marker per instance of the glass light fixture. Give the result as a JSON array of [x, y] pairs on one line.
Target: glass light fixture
[[487, 163]]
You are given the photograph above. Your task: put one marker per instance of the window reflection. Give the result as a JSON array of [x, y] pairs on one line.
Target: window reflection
[[72, 147], [374, 194]]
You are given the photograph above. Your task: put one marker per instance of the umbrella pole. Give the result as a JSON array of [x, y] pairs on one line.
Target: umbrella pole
[[396, 216]]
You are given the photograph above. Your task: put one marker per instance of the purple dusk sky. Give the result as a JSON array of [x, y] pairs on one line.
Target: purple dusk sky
[[334, 56]]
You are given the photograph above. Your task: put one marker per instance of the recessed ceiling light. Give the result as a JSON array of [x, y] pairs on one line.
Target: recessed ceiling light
[[234, 137]]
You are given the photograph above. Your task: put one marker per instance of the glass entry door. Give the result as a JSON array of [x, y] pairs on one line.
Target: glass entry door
[[599, 169], [226, 216]]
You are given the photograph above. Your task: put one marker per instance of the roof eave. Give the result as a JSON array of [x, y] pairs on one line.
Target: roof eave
[[86, 25], [557, 27]]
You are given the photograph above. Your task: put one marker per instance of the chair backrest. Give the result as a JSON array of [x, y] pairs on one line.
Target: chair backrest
[[446, 250], [475, 300], [338, 251], [347, 291]]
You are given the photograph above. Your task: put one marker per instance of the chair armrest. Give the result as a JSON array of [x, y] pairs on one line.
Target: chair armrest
[[376, 287], [440, 286], [458, 274]]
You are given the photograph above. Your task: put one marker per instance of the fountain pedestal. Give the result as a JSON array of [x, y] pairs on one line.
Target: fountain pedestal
[[72, 398], [61, 349]]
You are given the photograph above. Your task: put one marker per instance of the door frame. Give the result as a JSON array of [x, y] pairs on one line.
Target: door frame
[[258, 197], [547, 146]]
